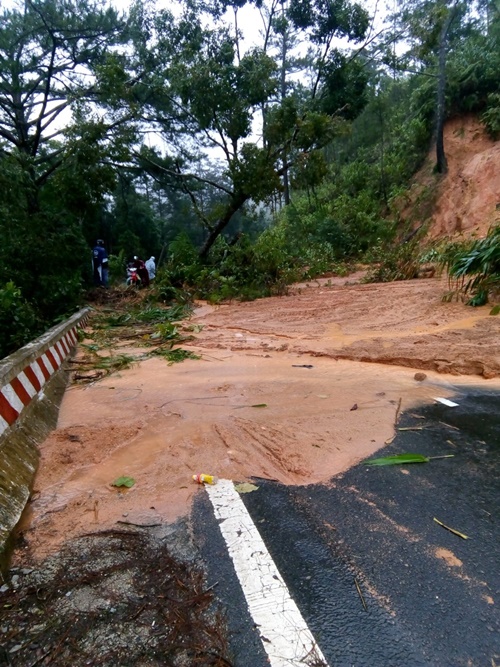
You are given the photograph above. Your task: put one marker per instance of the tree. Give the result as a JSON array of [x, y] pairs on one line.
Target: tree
[[50, 53], [433, 27], [201, 96], [54, 140]]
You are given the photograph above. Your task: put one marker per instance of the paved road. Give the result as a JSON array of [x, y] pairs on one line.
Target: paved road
[[431, 597]]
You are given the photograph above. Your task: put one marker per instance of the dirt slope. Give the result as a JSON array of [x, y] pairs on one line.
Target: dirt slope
[[470, 192], [466, 201]]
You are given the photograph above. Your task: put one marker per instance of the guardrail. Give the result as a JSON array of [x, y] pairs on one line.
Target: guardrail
[[32, 383]]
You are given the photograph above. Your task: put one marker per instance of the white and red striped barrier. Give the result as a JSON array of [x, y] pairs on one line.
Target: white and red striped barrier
[[26, 374]]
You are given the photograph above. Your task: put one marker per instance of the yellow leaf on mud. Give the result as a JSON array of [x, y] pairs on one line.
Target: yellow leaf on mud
[[245, 487]]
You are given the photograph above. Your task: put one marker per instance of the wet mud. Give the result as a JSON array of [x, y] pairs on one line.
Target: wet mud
[[281, 391]]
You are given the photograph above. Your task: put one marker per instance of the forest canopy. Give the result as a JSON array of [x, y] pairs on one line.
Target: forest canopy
[[166, 133]]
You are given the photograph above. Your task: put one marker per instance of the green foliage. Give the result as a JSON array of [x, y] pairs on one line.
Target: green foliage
[[177, 355], [18, 321], [339, 19], [114, 362], [309, 170], [344, 216], [399, 261], [491, 117], [127, 482], [165, 331], [247, 270], [403, 459], [397, 459], [344, 91], [155, 314], [46, 256], [474, 267], [473, 74], [240, 269], [183, 266], [117, 265], [53, 175], [254, 173], [151, 326], [134, 227]]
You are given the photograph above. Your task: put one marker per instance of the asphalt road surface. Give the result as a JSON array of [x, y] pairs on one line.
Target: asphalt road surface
[[379, 582]]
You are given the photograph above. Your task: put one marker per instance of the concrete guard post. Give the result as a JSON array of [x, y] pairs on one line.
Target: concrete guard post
[[32, 383]]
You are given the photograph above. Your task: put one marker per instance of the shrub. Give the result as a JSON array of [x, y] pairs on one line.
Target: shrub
[[117, 268], [18, 321], [474, 267], [491, 117], [397, 262]]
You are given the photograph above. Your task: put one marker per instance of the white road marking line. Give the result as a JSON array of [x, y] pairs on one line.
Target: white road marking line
[[285, 636]]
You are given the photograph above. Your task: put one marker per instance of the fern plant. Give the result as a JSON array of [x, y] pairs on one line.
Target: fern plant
[[475, 270]]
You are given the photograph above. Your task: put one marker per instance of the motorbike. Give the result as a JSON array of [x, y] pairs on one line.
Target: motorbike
[[133, 278]]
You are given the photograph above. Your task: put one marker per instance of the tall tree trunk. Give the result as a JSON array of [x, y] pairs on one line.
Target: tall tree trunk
[[234, 205], [441, 162], [284, 44]]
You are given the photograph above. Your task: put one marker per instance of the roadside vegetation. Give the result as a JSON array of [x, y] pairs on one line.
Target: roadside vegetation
[[110, 123], [126, 326], [474, 269]]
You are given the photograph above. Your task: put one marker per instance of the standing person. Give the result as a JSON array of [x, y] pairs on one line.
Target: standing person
[[100, 264], [142, 272], [151, 267]]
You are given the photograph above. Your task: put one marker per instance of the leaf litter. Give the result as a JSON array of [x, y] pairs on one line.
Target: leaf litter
[[131, 320], [117, 597]]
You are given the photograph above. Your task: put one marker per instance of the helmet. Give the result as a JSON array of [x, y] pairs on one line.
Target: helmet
[[100, 242]]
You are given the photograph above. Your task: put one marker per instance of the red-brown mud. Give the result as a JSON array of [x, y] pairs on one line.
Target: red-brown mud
[[301, 358]]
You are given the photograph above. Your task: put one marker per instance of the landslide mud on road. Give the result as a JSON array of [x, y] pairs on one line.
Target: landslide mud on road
[[300, 358], [282, 390]]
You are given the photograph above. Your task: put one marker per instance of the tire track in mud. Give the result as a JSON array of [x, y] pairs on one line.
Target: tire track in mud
[[273, 444]]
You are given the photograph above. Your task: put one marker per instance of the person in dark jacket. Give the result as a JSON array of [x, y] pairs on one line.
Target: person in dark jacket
[[142, 272], [100, 264]]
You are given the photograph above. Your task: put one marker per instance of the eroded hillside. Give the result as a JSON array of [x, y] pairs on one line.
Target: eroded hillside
[[465, 201]]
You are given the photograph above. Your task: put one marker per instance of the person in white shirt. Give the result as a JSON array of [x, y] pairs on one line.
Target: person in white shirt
[[151, 267]]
